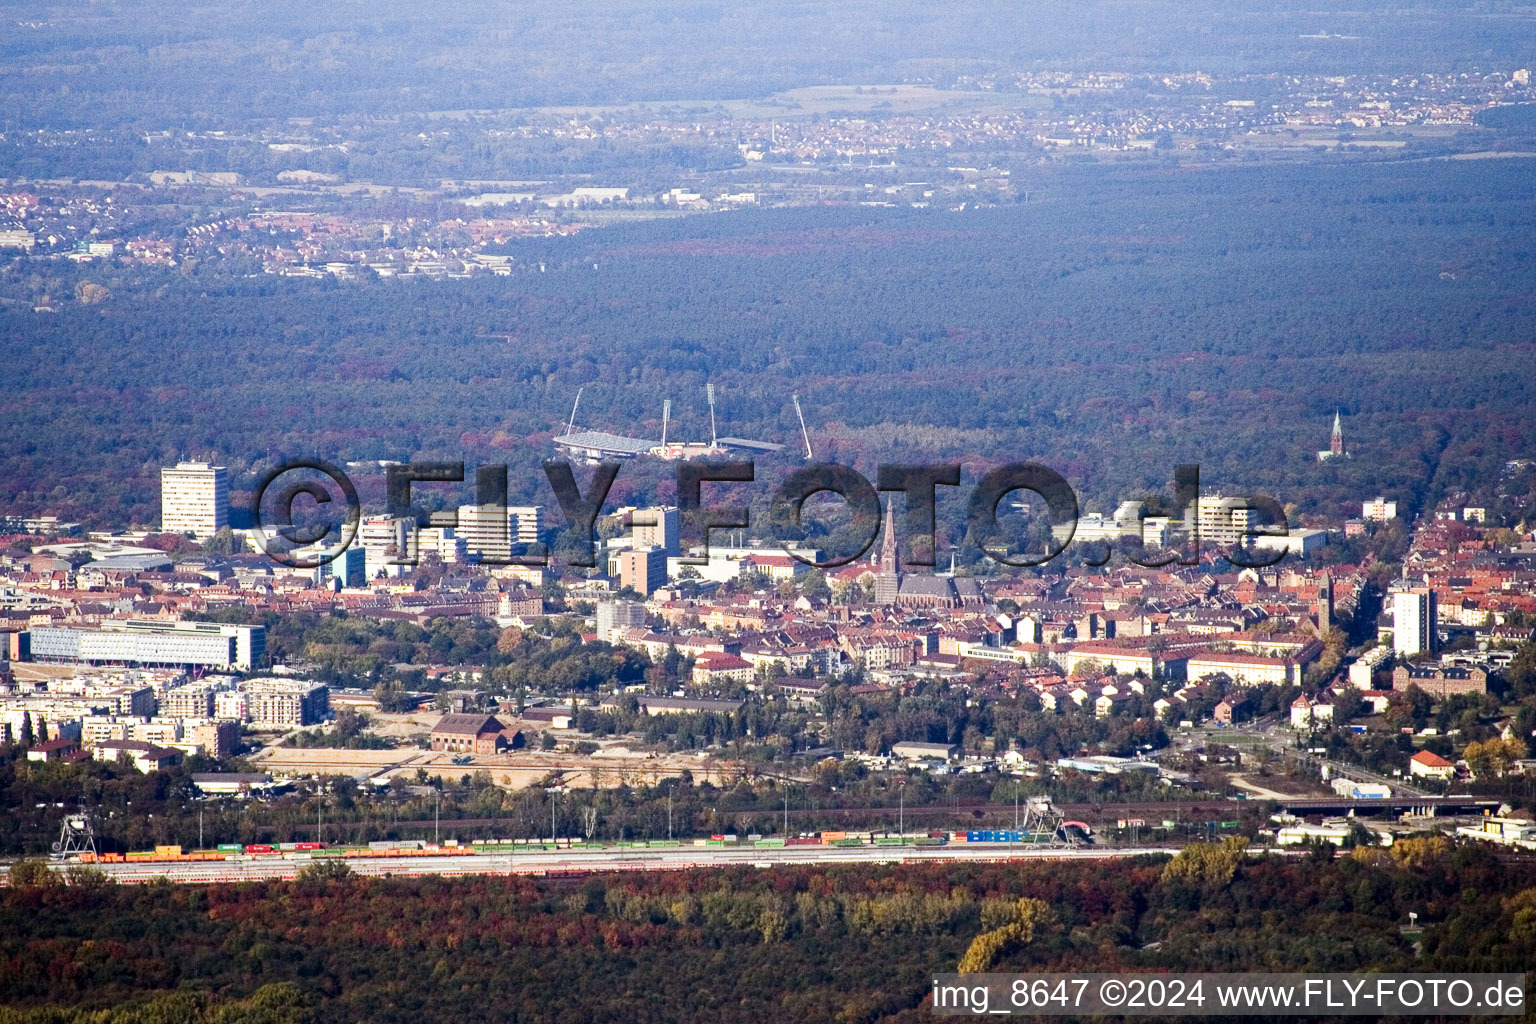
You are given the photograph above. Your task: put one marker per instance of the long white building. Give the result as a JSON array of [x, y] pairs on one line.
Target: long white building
[[152, 643]]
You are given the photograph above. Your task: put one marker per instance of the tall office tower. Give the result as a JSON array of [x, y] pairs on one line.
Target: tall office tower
[[1415, 620], [888, 579], [656, 528], [643, 571], [194, 498], [614, 617]]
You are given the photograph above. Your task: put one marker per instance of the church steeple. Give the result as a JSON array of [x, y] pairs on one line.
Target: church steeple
[[1336, 442], [888, 578], [890, 561]]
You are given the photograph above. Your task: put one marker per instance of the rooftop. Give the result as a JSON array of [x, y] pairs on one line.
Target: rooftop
[[600, 440]]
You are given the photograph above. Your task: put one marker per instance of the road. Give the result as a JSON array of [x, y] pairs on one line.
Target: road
[[567, 861]]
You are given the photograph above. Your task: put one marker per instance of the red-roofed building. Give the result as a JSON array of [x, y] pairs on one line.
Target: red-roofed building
[[52, 750], [716, 668], [1427, 764]]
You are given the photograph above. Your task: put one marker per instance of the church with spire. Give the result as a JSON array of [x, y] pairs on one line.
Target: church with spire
[[888, 578], [895, 588], [1335, 442]]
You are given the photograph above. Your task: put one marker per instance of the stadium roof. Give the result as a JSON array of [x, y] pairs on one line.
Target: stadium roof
[[598, 440], [751, 446]]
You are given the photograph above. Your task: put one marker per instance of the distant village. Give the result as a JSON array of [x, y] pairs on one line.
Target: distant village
[[292, 220]]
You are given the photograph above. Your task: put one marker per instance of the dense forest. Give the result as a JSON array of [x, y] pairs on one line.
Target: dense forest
[[1115, 324], [852, 944]]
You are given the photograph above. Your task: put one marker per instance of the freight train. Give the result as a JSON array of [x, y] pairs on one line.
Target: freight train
[[1070, 832]]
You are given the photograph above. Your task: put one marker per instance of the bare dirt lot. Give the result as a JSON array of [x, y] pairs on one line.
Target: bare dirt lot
[[612, 767]]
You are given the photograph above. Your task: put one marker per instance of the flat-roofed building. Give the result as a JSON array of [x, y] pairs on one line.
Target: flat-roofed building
[[1378, 510], [232, 706], [656, 527], [1224, 520], [194, 498], [489, 532], [286, 703], [193, 700], [643, 571], [218, 739], [151, 642], [914, 751], [1415, 620], [486, 531], [614, 617], [688, 705], [235, 783], [386, 543], [527, 522]]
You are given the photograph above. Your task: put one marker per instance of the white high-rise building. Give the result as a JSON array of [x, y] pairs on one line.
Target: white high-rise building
[[656, 528], [1415, 620], [1223, 521], [486, 530], [491, 531], [384, 538], [1378, 511], [526, 523], [194, 498]]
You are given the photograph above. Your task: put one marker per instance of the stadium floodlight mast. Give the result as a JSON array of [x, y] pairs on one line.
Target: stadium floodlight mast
[[709, 393], [803, 432]]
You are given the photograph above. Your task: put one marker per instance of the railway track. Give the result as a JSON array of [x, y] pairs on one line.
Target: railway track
[[570, 862]]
